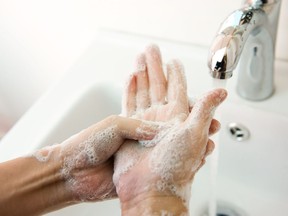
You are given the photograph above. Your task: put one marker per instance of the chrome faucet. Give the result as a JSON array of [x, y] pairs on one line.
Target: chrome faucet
[[247, 36]]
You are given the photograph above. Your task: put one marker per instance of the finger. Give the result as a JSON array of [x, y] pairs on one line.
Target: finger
[[203, 110], [129, 97], [142, 98], [100, 141], [209, 148], [136, 129], [177, 86], [157, 80], [214, 127], [119, 127]]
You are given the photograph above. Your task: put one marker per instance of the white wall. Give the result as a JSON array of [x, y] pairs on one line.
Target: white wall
[[182, 20], [40, 40]]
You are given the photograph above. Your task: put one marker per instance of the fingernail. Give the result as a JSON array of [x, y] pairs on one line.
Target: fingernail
[[216, 127], [154, 52], [176, 66], [209, 152]]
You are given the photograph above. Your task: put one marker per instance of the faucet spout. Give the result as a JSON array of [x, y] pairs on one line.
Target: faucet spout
[[247, 39]]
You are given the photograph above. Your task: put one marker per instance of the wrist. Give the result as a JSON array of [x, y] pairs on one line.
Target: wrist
[[155, 204], [158, 198], [50, 161], [150, 196], [52, 184]]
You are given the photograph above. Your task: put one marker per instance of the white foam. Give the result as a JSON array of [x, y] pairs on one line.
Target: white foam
[[126, 157], [92, 151], [171, 159], [166, 213], [140, 65], [43, 155], [143, 98], [163, 130]]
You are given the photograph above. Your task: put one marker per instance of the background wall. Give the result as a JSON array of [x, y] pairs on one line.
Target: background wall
[[183, 20], [40, 40]]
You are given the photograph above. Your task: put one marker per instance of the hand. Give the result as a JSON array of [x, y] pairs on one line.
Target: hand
[[167, 169], [79, 169], [87, 162]]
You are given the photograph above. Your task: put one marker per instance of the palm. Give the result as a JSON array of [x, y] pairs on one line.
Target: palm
[[149, 96], [178, 154], [160, 113]]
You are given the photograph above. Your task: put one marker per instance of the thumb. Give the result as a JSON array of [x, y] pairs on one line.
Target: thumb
[[203, 110], [136, 129]]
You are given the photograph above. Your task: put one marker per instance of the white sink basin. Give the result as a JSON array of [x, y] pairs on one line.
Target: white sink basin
[[252, 174], [94, 104]]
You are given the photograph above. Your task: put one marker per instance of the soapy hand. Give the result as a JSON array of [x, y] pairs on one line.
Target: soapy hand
[[152, 176], [87, 162], [165, 166]]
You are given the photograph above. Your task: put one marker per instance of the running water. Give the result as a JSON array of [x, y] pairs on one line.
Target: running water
[[216, 83], [219, 83]]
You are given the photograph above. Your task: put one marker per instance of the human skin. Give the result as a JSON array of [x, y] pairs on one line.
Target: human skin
[[81, 168], [61, 175], [157, 180]]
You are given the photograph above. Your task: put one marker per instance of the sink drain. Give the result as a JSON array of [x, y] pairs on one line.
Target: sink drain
[[223, 212], [238, 132], [224, 209]]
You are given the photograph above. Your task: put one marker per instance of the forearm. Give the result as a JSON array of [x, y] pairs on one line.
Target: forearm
[[31, 187]]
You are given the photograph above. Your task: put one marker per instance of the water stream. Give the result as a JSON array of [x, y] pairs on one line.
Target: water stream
[[216, 83]]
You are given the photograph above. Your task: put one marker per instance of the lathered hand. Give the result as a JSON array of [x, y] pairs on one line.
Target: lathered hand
[[154, 177]]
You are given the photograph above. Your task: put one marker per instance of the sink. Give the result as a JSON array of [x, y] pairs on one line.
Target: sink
[[252, 174], [94, 104]]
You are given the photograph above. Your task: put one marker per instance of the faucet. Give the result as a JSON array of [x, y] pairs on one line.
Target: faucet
[[247, 36]]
